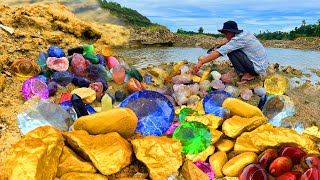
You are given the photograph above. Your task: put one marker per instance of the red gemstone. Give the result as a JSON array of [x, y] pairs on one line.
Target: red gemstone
[[311, 174], [293, 175], [253, 172], [65, 97], [280, 166], [309, 161], [266, 157], [294, 153]]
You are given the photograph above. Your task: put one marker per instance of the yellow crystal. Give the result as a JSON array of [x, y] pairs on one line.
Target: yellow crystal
[[209, 120], [191, 172], [240, 108], [196, 79], [161, 155], [276, 84], [71, 162], [225, 145], [235, 165], [121, 120], [267, 136], [201, 156], [234, 126], [176, 67], [108, 152], [83, 176], [35, 156], [217, 161], [205, 75], [88, 95], [106, 51]]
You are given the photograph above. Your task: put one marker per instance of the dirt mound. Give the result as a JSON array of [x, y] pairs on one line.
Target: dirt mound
[[39, 26]]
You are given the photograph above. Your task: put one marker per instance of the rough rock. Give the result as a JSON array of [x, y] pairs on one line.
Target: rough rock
[[191, 172], [236, 125], [71, 162], [121, 120], [109, 153], [217, 161], [83, 176], [202, 156], [2, 82], [268, 136], [35, 156], [161, 155]]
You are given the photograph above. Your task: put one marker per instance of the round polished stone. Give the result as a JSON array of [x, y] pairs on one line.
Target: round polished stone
[[154, 111], [194, 136], [212, 102]]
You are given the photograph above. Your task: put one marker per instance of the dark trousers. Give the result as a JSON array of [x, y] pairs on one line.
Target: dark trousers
[[241, 63]]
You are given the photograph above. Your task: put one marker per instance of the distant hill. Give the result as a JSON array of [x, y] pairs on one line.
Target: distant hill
[[129, 16]]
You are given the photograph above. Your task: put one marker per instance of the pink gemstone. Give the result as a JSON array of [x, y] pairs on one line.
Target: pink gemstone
[[309, 161], [294, 153], [112, 61], [246, 94], [266, 157], [173, 127], [206, 168], [253, 172], [58, 64], [118, 74], [35, 87], [311, 174], [78, 65], [98, 87]]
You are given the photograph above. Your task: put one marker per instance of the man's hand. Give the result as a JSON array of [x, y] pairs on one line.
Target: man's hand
[[197, 67]]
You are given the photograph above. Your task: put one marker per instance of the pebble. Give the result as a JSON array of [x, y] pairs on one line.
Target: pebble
[[55, 51]]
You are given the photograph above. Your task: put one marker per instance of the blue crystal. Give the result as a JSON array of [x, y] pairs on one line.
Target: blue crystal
[[262, 102], [80, 81], [43, 78], [67, 105], [212, 102], [147, 78], [55, 51], [43, 57], [155, 112], [39, 112], [89, 109], [62, 78]]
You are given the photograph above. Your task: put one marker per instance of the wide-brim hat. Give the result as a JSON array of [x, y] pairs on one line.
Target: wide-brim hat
[[230, 26]]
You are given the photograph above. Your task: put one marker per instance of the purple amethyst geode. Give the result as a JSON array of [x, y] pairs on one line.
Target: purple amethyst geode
[[35, 87]]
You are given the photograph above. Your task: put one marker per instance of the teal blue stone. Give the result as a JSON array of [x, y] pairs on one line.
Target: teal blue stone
[[194, 136]]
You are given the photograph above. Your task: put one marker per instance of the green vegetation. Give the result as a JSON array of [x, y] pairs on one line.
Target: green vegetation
[[200, 31], [304, 30], [129, 16]]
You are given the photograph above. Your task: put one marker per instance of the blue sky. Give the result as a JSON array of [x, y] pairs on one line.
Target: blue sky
[[251, 15]]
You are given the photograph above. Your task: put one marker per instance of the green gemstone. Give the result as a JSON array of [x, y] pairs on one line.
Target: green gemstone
[[91, 57], [194, 136], [185, 112], [88, 48], [135, 73]]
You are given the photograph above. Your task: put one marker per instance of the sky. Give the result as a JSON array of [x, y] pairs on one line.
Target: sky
[[251, 15]]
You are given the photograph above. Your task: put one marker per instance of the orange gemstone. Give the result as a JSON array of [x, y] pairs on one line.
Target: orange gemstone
[[25, 68], [280, 166], [134, 85]]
